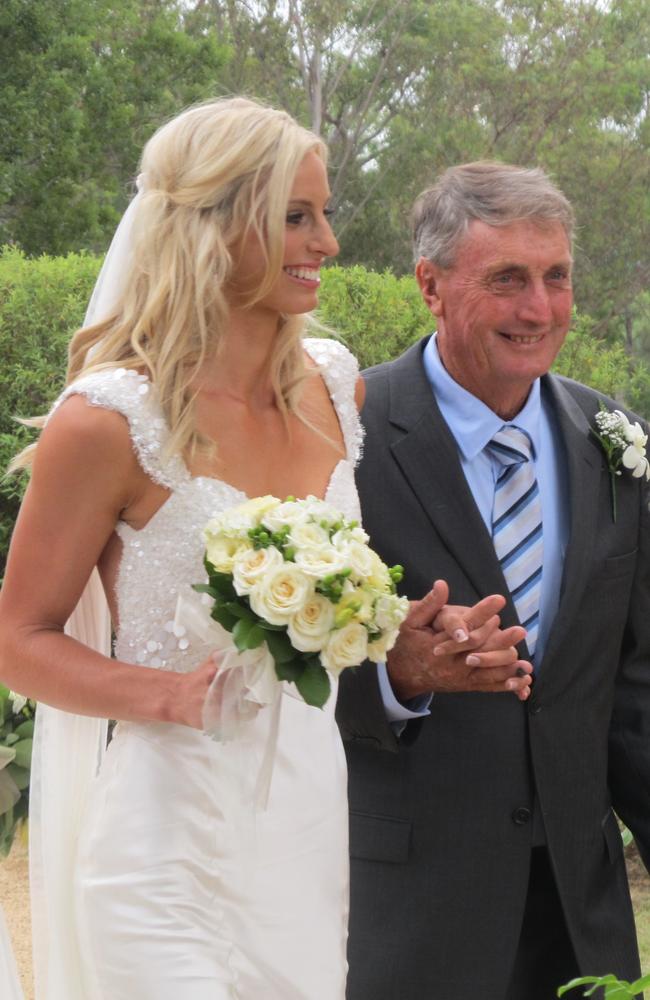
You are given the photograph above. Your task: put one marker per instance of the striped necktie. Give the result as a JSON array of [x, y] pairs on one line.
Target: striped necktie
[[517, 525]]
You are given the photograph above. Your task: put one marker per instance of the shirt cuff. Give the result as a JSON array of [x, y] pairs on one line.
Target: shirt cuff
[[395, 711]]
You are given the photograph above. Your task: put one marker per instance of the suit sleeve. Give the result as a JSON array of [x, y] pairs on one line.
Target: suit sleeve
[[360, 710], [629, 743]]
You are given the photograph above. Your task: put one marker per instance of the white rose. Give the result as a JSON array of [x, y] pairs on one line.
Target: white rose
[[360, 560], [280, 594], [320, 560], [308, 534], [379, 577], [238, 521], [320, 510], [391, 610], [252, 564], [18, 702], [223, 549], [309, 627], [344, 536], [380, 645], [347, 647], [253, 511], [284, 515]]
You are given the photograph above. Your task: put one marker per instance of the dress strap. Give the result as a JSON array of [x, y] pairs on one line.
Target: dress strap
[[340, 371], [134, 396]]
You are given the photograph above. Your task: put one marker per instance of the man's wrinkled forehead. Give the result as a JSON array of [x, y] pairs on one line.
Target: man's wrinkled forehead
[[527, 244]]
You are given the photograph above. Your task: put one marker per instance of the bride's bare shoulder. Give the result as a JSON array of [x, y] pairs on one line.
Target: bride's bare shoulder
[[82, 441]]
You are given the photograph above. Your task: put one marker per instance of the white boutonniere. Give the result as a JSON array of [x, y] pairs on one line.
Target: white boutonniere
[[624, 444]]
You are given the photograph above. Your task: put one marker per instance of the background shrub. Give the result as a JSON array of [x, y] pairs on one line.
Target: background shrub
[[377, 315], [42, 301]]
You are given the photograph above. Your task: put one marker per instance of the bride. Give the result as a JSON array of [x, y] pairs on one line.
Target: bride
[[190, 388]]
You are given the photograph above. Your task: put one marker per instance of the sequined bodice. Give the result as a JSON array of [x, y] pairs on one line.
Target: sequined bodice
[[165, 557]]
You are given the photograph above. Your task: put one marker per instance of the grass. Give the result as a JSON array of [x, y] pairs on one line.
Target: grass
[[640, 889]]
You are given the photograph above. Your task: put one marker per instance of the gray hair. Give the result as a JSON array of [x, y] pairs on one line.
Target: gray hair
[[494, 193]]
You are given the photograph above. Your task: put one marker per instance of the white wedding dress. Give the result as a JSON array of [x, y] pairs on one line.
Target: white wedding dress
[[183, 890]]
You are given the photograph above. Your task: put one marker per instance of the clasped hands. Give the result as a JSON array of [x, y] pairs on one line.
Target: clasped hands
[[446, 648]]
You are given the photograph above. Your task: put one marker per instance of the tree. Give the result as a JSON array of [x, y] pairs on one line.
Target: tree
[[83, 83]]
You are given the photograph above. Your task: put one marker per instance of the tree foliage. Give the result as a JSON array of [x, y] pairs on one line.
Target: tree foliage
[[399, 89], [83, 83]]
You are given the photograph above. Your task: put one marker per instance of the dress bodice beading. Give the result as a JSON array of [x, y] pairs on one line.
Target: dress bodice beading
[[165, 557]]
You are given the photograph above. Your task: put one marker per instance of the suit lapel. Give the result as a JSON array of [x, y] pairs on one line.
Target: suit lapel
[[427, 454], [584, 469]]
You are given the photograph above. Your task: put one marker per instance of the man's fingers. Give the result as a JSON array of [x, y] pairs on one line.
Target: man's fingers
[[423, 613], [511, 636], [522, 693]]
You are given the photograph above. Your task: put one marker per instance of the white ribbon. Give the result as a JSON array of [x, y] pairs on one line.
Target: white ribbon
[[245, 682]]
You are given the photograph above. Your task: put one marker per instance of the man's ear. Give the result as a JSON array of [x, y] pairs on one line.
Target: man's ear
[[427, 275]]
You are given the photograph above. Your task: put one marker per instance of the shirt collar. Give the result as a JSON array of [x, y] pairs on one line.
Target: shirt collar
[[472, 423]]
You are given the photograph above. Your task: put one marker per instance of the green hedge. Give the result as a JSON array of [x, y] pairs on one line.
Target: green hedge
[[377, 315], [42, 301]]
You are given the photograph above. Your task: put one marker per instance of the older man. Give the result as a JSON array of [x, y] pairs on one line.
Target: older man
[[487, 860]]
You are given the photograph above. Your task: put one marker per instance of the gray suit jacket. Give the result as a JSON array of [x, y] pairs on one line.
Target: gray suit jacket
[[441, 819]]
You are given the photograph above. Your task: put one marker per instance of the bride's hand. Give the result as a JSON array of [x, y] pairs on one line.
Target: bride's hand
[[194, 687], [214, 699]]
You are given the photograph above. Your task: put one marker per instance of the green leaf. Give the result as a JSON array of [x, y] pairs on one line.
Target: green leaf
[[255, 637], [221, 582], [205, 588], [25, 729], [20, 775], [23, 750], [11, 738], [271, 628], [7, 830], [225, 619], [575, 982], [640, 984], [241, 634], [615, 989], [289, 670], [280, 648], [240, 611], [247, 634], [314, 684]]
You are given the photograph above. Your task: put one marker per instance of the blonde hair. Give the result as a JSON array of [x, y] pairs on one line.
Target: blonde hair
[[213, 175]]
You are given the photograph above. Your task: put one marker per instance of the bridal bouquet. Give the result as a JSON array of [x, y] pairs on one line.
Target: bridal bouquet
[[299, 579], [16, 732]]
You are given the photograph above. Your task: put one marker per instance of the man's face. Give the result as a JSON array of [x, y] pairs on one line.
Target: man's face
[[502, 309]]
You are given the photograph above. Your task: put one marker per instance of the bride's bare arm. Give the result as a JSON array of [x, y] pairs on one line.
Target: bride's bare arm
[[85, 477]]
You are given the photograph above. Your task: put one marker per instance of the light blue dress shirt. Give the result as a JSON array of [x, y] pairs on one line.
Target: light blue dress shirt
[[473, 424]]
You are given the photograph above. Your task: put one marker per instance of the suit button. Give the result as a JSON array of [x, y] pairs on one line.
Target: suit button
[[521, 816]]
